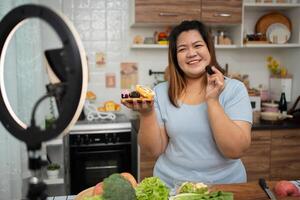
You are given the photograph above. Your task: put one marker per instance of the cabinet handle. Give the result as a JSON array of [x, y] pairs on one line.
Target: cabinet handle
[[222, 15], [168, 14]]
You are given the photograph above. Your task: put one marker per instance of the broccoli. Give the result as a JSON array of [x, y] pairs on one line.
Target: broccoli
[[116, 187]]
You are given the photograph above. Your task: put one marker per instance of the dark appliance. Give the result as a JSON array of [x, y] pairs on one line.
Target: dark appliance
[[98, 149]]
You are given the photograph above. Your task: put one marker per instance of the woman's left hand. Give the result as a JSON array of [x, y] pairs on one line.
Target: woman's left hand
[[215, 84]]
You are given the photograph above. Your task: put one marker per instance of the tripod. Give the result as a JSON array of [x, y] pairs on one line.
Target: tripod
[[37, 188]]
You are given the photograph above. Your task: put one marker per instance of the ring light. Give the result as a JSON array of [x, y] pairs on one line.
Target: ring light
[[73, 69]]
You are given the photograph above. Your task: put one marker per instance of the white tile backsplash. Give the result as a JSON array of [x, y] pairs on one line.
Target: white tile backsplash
[[81, 14], [115, 4], [98, 24], [98, 46], [98, 15], [81, 4], [82, 25], [97, 35], [99, 4]]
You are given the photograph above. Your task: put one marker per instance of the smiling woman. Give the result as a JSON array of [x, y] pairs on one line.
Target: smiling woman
[[199, 124]]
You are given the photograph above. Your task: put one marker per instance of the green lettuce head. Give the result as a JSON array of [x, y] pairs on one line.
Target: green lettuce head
[[152, 188]]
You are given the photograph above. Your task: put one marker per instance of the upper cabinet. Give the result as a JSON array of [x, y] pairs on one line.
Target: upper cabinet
[[236, 19], [156, 12], [222, 12]]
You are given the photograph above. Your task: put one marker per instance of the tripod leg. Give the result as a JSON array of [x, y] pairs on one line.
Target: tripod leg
[[37, 190]]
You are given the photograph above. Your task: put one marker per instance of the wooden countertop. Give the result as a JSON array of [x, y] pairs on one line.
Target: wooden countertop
[[242, 191], [249, 191]]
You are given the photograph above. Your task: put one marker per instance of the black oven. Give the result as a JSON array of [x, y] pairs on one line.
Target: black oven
[[95, 154]]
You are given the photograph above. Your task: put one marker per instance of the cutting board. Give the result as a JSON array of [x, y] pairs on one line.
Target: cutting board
[[274, 17]]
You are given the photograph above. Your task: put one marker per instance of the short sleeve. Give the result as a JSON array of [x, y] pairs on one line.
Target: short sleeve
[[237, 104], [158, 112], [158, 100]]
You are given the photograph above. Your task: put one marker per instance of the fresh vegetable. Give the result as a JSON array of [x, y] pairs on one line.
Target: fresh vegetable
[[211, 196], [152, 188], [189, 187], [199, 191], [93, 198], [189, 196], [286, 188], [116, 187], [129, 178]]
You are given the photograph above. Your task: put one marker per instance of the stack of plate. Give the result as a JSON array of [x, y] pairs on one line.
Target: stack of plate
[[278, 33]]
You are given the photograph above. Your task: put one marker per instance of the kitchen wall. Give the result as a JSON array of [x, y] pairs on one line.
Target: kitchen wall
[[292, 58], [104, 26]]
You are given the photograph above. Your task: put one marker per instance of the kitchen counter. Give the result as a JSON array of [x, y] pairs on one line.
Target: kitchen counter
[[249, 191], [262, 125], [243, 191], [284, 124]]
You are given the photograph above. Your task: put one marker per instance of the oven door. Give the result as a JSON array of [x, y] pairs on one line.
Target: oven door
[[90, 165]]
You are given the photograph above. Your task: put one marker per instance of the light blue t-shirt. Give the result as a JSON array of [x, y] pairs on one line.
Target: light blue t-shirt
[[192, 154]]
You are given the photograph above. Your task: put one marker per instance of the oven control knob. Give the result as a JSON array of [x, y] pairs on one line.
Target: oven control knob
[[78, 140], [86, 139], [110, 140], [106, 138], [114, 138]]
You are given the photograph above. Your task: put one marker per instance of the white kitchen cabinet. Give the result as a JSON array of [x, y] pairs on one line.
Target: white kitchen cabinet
[[164, 11], [252, 11]]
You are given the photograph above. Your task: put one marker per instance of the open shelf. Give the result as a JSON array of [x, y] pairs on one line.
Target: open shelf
[[232, 46], [55, 142], [149, 46], [268, 6], [254, 11], [289, 45], [54, 181], [158, 46]]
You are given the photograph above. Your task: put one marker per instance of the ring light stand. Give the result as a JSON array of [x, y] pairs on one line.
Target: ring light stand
[[68, 64]]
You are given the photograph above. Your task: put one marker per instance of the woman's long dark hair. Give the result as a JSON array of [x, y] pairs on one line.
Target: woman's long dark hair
[[177, 83]]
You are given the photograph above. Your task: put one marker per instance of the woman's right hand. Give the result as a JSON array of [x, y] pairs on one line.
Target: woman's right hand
[[141, 106]]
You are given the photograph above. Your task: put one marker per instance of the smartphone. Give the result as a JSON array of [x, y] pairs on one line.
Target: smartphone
[[55, 58]]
